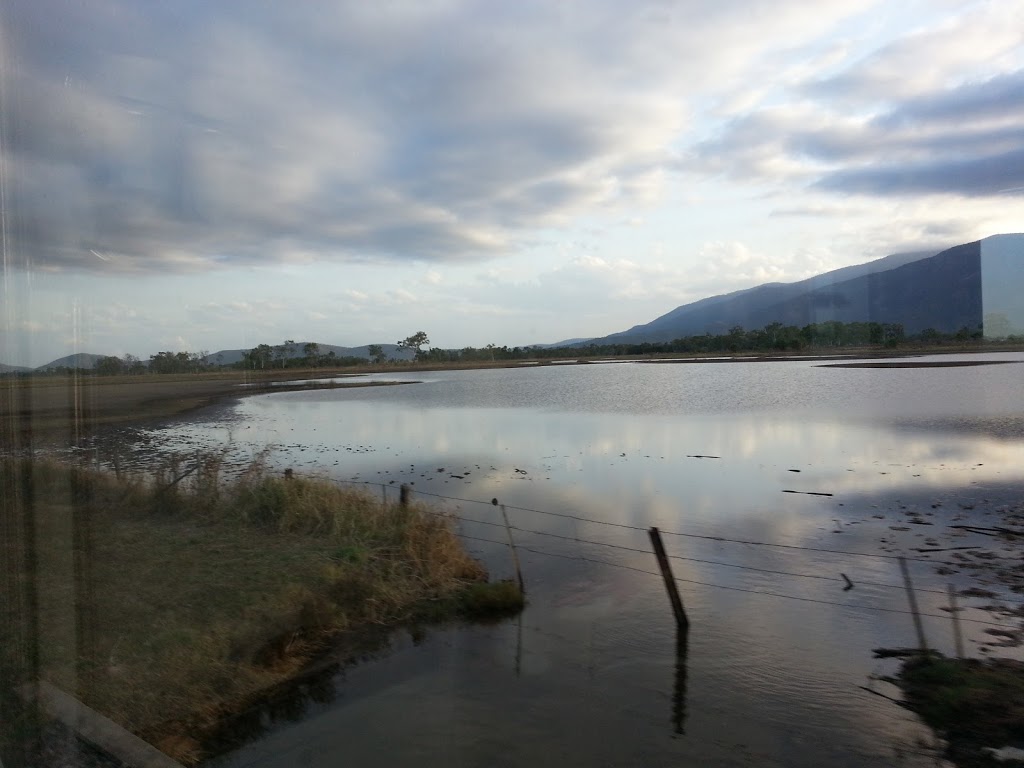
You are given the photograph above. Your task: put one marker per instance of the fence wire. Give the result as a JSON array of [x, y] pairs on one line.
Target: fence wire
[[637, 550]]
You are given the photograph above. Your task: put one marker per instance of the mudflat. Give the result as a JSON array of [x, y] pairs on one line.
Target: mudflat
[[55, 411]]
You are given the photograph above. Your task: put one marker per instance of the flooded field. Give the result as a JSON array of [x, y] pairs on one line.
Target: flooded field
[[773, 483]]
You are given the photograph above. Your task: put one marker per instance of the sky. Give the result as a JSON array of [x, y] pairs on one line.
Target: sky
[[193, 176]]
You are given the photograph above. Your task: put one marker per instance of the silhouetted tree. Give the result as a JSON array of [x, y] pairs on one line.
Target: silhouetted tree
[[415, 342]]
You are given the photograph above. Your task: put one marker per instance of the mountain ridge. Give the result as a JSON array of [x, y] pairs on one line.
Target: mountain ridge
[[919, 290]]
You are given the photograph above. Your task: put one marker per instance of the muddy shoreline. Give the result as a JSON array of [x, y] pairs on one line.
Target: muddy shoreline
[[51, 415]]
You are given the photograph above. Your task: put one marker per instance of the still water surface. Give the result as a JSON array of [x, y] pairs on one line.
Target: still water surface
[[590, 675]]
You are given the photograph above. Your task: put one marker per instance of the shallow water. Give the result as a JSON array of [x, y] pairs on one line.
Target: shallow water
[[591, 674]]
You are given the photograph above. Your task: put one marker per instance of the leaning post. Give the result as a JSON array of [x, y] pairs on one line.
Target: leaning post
[[682, 622]]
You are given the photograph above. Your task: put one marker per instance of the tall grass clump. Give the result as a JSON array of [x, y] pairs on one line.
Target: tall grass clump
[[170, 602]]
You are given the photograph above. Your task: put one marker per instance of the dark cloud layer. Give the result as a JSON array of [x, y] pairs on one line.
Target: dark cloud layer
[[966, 140], [181, 136], [1001, 174]]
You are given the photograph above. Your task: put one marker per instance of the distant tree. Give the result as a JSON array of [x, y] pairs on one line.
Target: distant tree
[[415, 343], [773, 333], [259, 356], [311, 350], [282, 352], [199, 360], [376, 353], [109, 366], [133, 365], [172, 362]]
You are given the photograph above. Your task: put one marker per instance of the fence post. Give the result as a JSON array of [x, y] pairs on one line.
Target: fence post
[[923, 644], [670, 583], [955, 613], [404, 493]]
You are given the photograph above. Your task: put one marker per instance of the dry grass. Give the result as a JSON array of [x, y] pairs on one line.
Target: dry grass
[[170, 605]]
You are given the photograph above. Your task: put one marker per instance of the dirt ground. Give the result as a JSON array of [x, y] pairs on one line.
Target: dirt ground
[[61, 412]]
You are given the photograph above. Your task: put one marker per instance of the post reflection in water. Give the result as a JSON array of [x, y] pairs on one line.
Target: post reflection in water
[[679, 691]]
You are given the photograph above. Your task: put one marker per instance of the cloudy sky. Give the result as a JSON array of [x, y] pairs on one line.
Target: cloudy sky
[[196, 175]]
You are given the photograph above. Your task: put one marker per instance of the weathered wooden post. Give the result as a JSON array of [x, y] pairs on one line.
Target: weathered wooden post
[[955, 612], [404, 494], [670, 583], [922, 643]]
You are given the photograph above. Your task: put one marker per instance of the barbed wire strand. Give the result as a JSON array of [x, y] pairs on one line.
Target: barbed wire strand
[[852, 606], [689, 559], [707, 537]]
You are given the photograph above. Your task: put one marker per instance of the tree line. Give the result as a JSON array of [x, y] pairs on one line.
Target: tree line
[[287, 355], [773, 337]]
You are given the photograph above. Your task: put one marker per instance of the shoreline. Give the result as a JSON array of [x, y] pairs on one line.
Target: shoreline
[[61, 412]]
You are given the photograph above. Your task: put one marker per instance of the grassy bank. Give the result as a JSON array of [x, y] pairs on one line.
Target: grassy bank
[[170, 605], [974, 703]]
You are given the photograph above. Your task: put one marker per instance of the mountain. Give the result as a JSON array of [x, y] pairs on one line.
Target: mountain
[[13, 369], [563, 343], [393, 352], [79, 360], [918, 290]]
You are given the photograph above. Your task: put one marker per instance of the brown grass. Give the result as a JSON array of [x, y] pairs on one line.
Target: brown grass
[[168, 606]]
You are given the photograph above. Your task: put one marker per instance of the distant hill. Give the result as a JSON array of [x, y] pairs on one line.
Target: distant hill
[[223, 357], [940, 291], [393, 351], [13, 368], [79, 360]]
